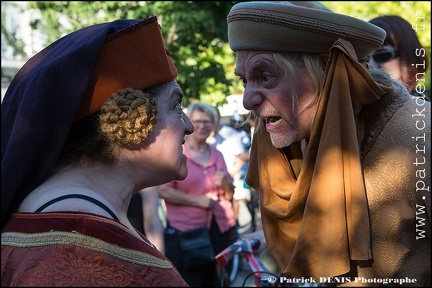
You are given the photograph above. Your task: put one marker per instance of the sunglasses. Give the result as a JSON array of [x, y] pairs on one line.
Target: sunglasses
[[383, 56]]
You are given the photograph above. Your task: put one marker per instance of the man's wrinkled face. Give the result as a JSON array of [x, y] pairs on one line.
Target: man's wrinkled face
[[280, 98]]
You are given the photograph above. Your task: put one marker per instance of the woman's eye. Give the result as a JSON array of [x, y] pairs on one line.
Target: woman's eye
[[178, 105]]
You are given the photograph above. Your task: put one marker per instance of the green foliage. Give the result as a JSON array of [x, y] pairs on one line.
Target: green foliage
[[11, 38], [196, 33]]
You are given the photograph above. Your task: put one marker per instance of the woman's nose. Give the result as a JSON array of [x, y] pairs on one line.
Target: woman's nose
[[189, 127]]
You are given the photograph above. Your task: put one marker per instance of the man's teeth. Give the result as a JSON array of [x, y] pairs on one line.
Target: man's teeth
[[274, 120]]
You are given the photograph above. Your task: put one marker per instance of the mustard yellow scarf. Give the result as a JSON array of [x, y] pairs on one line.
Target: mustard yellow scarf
[[316, 218]]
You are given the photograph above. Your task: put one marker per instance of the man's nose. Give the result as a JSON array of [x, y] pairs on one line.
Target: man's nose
[[251, 99]]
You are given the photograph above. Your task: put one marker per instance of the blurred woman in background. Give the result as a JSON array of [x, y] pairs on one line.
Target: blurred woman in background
[[401, 54]]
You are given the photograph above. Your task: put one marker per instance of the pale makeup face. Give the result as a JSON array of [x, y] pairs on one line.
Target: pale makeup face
[[161, 158], [269, 93], [173, 125]]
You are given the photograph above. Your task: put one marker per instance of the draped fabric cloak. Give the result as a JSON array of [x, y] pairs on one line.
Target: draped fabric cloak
[[319, 214]]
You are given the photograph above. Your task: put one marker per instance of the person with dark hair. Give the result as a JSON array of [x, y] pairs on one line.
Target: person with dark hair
[[88, 122], [340, 154], [401, 53]]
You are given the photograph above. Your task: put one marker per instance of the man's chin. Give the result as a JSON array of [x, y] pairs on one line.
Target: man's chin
[[280, 141]]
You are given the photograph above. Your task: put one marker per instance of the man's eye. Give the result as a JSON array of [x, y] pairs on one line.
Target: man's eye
[[266, 78], [244, 82]]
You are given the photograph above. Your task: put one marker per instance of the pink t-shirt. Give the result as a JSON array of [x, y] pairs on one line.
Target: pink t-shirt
[[198, 182]]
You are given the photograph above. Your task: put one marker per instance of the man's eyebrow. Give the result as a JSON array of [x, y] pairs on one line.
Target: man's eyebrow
[[260, 64], [256, 65]]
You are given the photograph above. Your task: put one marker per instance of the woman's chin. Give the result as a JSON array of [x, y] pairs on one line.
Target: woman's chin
[[183, 175]]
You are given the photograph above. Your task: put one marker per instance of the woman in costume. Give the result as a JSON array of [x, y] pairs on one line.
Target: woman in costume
[[86, 123]]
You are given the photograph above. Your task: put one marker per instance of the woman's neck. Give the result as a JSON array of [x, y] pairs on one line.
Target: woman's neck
[[200, 148]]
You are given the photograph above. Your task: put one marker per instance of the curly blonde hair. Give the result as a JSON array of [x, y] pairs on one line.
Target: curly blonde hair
[[128, 117]]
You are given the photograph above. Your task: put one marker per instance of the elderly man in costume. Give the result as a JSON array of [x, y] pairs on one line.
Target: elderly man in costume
[[84, 125], [340, 153]]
